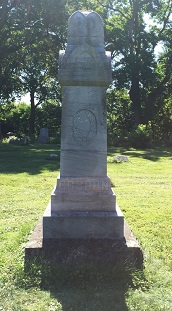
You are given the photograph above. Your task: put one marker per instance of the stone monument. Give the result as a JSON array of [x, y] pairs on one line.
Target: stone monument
[[44, 135], [82, 210], [83, 204]]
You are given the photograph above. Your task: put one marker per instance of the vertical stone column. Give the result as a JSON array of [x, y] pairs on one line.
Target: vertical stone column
[[83, 204], [85, 74]]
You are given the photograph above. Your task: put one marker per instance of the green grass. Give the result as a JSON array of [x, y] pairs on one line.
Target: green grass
[[144, 193]]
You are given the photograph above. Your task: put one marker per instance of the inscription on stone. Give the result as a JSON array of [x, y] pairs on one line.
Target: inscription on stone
[[84, 127], [84, 185]]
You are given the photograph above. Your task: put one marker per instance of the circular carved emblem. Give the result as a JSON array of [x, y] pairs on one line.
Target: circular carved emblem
[[84, 127]]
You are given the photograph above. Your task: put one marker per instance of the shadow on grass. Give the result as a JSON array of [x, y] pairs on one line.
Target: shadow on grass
[[31, 159], [88, 289], [148, 154], [92, 297]]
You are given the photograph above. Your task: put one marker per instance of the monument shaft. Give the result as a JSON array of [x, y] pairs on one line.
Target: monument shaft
[[84, 133], [84, 74]]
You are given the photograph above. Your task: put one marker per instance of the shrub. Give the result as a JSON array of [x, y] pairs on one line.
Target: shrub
[[16, 140], [140, 137]]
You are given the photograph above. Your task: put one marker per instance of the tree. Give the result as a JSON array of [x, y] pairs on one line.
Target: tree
[[133, 50], [45, 34], [31, 35], [10, 43], [14, 118], [119, 116], [32, 32], [51, 117]]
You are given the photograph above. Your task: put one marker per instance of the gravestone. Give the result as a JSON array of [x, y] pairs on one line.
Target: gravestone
[[82, 213], [83, 205], [170, 139], [44, 135]]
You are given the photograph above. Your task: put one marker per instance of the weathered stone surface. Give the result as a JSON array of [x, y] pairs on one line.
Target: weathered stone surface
[[84, 73], [83, 194], [85, 66], [84, 132], [85, 62], [85, 27], [121, 158], [82, 211], [86, 224], [83, 203], [72, 252]]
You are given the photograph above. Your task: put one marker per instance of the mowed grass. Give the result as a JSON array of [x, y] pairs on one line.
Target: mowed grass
[[144, 193]]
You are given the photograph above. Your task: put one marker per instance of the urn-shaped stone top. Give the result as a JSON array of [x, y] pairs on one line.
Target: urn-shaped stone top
[[85, 27]]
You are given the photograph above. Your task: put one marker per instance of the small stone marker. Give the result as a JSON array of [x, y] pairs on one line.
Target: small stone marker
[[170, 139], [24, 139], [121, 158], [83, 213], [44, 135]]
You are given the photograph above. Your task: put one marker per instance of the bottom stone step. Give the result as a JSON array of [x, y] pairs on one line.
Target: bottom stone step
[[94, 251]]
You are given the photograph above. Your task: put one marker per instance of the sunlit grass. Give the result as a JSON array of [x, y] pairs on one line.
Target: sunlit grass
[[144, 193]]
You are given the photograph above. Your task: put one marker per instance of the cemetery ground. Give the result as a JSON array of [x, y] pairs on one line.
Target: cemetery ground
[[144, 193]]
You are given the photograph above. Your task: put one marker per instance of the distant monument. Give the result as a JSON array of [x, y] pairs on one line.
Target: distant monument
[[83, 206], [44, 135]]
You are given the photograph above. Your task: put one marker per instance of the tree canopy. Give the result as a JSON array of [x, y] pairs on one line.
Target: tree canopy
[[33, 32]]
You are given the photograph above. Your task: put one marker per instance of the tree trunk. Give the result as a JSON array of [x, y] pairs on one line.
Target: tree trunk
[[134, 56], [32, 116], [135, 99]]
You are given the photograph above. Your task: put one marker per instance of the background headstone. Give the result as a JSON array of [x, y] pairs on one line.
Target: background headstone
[[44, 135], [170, 139]]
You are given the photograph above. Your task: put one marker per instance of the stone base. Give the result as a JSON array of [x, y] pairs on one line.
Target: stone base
[[83, 225], [76, 194], [101, 252]]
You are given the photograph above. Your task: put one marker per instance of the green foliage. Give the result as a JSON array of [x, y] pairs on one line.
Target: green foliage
[[15, 119], [133, 50], [162, 122], [51, 117], [119, 116], [85, 5], [11, 140], [10, 45], [140, 137], [31, 35]]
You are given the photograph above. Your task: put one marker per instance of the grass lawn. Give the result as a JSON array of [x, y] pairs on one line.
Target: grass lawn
[[144, 193]]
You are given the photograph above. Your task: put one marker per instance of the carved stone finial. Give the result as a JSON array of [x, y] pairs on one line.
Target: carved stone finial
[[85, 62], [85, 27]]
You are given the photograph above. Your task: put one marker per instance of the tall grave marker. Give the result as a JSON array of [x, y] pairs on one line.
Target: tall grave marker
[[83, 209], [83, 204]]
